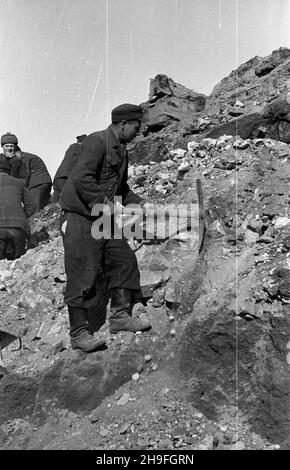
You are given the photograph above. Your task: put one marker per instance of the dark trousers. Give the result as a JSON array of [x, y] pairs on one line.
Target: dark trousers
[[41, 194], [12, 243], [90, 262]]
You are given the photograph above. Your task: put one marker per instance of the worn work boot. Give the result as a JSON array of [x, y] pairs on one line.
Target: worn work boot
[[121, 310], [81, 337]]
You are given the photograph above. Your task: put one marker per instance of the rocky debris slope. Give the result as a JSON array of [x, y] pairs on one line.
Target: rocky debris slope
[[212, 373], [233, 349], [254, 83], [246, 98], [242, 104]]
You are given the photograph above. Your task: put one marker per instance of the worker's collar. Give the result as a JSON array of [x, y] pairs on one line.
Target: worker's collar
[[115, 139], [114, 143]]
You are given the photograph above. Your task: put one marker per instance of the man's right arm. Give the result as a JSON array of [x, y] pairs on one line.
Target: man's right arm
[[86, 170]]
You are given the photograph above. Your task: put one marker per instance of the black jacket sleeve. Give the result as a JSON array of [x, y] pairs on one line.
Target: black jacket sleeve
[[68, 162], [87, 167], [28, 203], [38, 172]]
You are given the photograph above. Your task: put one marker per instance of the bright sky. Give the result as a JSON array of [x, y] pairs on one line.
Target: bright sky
[[66, 63]]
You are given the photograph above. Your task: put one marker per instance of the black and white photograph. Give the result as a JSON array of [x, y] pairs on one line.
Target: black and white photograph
[[144, 229]]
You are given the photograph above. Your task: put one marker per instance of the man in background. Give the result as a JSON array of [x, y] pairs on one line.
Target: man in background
[[17, 167], [66, 166], [38, 179], [28, 167], [16, 206]]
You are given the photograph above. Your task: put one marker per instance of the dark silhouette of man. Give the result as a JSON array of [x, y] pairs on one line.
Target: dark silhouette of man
[[66, 166], [16, 206], [99, 175]]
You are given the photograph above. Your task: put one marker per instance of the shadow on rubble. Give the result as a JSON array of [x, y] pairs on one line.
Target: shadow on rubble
[[18, 394], [227, 365], [76, 382], [37, 237]]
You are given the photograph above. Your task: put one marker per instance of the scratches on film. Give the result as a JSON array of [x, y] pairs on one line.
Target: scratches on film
[[94, 92], [52, 39], [220, 15]]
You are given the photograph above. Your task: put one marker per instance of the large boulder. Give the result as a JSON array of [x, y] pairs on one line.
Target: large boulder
[[271, 62], [273, 121], [278, 108], [244, 127], [169, 102]]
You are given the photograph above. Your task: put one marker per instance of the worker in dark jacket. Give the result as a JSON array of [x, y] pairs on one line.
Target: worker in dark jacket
[[99, 175], [16, 206], [9, 144], [66, 166], [38, 179]]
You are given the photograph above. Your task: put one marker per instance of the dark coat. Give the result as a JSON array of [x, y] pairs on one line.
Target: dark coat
[[17, 167], [100, 173], [37, 171], [68, 162], [16, 203]]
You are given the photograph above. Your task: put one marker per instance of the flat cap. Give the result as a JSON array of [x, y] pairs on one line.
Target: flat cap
[[8, 139], [126, 112]]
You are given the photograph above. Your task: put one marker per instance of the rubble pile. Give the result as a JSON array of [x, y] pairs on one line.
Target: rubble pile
[[212, 373], [244, 103], [254, 83], [32, 294], [170, 102], [246, 185]]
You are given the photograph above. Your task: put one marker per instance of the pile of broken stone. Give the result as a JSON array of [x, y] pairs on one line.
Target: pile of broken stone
[[36, 281], [260, 217], [246, 190], [202, 154]]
